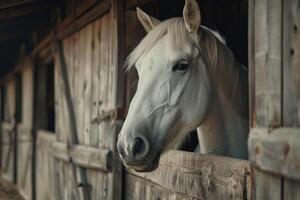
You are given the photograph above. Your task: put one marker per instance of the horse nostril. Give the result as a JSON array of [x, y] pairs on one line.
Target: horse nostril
[[139, 148]]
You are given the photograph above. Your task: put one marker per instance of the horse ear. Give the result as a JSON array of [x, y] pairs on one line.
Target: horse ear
[[191, 15], [147, 21]]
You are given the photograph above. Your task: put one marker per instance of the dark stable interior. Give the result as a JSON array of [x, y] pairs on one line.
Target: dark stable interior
[[228, 17]]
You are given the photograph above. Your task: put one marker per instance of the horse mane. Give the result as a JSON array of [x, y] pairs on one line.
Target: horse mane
[[227, 75]]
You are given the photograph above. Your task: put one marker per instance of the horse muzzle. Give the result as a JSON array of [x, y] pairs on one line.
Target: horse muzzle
[[134, 152]]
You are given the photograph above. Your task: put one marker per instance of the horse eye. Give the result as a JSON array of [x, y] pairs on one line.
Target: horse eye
[[181, 66]]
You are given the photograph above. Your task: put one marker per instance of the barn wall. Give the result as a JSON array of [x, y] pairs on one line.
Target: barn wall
[[274, 141], [93, 55], [8, 131], [24, 132], [91, 60]]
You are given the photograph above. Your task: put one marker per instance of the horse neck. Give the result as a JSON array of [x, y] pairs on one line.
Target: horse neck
[[225, 129]]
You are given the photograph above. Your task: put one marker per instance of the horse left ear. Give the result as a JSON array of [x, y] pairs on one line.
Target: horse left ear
[[147, 21], [191, 16]]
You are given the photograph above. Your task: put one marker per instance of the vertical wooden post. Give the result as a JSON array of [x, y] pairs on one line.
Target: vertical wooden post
[[34, 126], [1, 120], [82, 182], [265, 65]]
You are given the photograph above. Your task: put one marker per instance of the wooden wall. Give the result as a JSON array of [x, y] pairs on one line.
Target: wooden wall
[[274, 143], [91, 56], [8, 134], [24, 132]]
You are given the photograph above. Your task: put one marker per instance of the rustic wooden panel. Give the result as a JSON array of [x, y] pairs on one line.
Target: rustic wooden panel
[[8, 131], [24, 161], [45, 167], [201, 176], [265, 59], [267, 62], [7, 151], [291, 189], [83, 156], [291, 89], [276, 151], [27, 98], [267, 186], [10, 107], [291, 63], [91, 56]]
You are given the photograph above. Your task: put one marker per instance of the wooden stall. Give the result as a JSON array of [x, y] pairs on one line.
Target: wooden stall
[[8, 130], [63, 104], [274, 50], [24, 130]]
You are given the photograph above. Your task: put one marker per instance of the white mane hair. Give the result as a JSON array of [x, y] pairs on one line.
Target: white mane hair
[[226, 74]]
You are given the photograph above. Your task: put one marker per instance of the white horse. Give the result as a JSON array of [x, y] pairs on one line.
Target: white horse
[[188, 79]]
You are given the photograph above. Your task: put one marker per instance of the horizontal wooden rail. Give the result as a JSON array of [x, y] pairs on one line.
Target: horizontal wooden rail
[[7, 126], [83, 156], [276, 151], [199, 175]]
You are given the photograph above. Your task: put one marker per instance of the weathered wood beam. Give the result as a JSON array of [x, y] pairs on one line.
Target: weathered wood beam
[[83, 156], [202, 176], [276, 151]]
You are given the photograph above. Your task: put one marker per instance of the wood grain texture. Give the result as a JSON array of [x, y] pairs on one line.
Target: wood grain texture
[[24, 160], [291, 189], [267, 186], [291, 63], [82, 156], [201, 176], [276, 151], [267, 62], [45, 185]]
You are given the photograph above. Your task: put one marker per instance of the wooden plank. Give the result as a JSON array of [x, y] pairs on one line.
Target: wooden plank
[[83, 7], [201, 176], [71, 113], [267, 62], [291, 189], [276, 151], [135, 187], [116, 177], [91, 157], [84, 156], [267, 186], [25, 133], [27, 98], [45, 161], [60, 151], [119, 49], [291, 63], [95, 82]]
